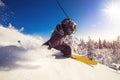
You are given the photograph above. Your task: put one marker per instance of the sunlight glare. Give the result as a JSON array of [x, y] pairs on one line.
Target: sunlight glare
[[112, 10]]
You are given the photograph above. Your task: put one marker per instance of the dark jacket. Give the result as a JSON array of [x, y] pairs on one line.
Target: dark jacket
[[57, 38]]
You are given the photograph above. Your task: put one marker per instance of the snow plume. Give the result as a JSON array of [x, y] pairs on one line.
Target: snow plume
[[2, 4], [12, 39], [17, 38], [10, 26], [21, 29], [16, 47]]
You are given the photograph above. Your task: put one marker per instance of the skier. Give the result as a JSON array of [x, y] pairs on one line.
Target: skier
[[66, 27]]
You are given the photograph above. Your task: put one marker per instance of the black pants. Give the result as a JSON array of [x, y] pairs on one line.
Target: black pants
[[65, 49]]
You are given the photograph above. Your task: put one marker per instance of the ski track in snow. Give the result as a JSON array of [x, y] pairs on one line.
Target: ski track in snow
[[29, 60]]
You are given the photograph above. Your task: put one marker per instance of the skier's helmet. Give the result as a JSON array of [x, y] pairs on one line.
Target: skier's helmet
[[69, 26]]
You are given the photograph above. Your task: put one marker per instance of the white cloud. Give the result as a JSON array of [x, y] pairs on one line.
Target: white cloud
[[1, 3]]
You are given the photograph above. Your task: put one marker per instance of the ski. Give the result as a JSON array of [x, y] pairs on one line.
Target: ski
[[83, 59]]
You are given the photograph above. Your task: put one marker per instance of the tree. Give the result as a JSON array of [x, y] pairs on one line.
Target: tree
[[100, 44]]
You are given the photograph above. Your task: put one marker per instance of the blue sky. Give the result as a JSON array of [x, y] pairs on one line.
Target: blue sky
[[41, 16]]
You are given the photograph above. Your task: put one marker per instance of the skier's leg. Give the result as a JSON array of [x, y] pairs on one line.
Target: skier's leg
[[46, 43], [66, 51]]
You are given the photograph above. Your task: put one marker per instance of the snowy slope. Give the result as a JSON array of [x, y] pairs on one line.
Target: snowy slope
[[28, 60]]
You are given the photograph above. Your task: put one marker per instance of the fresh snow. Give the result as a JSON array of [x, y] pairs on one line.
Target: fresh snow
[[23, 58]]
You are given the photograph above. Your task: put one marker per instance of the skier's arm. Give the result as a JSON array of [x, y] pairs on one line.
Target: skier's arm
[[55, 39]]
